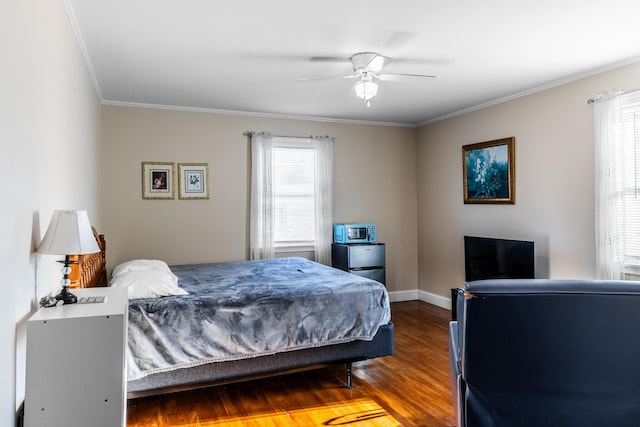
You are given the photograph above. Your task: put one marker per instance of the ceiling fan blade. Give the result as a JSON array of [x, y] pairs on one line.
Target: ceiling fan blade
[[306, 79], [399, 76], [328, 59], [423, 61], [399, 40]]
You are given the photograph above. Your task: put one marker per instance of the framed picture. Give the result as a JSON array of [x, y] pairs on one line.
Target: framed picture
[[193, 180], [158, 180], [489, 172]]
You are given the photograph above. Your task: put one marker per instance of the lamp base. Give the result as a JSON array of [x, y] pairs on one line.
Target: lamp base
[[66, 296]]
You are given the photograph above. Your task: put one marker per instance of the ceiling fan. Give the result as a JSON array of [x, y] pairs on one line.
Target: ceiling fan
[[367, 67]]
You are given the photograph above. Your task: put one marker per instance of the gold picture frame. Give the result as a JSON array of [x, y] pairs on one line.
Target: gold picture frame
[[158, 180], [489, 172], [193, 181]]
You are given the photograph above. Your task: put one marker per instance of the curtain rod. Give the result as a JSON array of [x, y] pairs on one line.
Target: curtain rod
[[603, 95], [251, 133]]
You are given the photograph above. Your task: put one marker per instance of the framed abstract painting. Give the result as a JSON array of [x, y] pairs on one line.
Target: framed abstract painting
[[489, 172]]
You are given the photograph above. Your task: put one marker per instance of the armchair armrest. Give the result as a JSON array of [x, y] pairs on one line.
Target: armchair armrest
[[454, 357], [455, 369]]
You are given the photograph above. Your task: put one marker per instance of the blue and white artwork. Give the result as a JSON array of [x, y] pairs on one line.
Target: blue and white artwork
[[487, 173], [194, 180]]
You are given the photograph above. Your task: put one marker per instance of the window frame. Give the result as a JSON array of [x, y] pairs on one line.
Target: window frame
[[300, 144], [629, 134]]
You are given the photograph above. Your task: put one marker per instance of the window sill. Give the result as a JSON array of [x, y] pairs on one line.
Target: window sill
[[294, 248]]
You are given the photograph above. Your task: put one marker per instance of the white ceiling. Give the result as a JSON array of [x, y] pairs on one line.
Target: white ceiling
[[247, 55]]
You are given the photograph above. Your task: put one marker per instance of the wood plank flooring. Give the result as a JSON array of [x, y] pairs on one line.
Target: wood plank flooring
[[410, 388]]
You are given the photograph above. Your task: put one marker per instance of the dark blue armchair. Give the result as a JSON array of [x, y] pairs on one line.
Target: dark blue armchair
[[546, 353]]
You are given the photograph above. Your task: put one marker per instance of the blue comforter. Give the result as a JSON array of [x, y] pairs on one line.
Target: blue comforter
[[246, 309]]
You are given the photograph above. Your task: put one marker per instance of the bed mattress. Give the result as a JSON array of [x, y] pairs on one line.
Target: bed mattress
[[250, 309]]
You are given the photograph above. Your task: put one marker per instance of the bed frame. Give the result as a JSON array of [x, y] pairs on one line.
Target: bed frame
[[91, 272]]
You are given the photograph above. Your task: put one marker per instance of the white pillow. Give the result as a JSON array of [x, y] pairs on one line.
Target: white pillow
[[140, 265], [148, 284]]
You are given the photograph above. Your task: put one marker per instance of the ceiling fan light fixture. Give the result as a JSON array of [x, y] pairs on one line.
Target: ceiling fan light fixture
[[366, 90]]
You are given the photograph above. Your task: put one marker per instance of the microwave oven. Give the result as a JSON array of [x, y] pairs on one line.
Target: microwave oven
[[354, 233]]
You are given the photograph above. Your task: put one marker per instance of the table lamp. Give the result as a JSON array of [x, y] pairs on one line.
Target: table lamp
[[69, 233]]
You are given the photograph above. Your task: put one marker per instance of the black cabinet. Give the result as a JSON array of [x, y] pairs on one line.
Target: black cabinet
[[367, 260]]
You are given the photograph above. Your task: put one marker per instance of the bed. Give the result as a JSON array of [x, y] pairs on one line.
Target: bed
[[88, 271], [250, 319]]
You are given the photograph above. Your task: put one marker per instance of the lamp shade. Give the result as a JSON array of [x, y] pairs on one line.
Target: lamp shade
[[69, 233], [366, 89]]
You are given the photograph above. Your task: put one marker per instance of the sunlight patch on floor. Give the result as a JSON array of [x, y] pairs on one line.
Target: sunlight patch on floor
[[362, 412]]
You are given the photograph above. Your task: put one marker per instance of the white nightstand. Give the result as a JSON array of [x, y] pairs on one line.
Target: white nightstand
[[76, 363]]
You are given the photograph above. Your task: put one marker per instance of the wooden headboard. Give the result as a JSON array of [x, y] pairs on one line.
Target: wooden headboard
[[90, 270]]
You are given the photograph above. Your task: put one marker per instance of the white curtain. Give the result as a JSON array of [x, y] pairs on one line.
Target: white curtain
[[262, 225], [324, 198], [261, 215], [609, 189]]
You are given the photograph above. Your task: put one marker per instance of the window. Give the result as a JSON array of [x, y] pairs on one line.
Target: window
[[617, 172], [294, 195], [629, 134], [291, 195]]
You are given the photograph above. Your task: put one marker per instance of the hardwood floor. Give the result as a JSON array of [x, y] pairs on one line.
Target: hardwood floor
[[410, 388]]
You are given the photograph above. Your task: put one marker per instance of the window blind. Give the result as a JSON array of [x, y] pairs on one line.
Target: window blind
[[629, 136], [294, 194]]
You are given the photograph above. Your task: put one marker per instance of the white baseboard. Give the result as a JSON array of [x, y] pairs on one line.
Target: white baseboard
[[435, 299], [399, 296], [416, 294]]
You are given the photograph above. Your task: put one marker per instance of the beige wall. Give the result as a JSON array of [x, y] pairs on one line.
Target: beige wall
[[377, 179], [50, 128], [554, 182], [49, 136], [374, 181], [50, 131]]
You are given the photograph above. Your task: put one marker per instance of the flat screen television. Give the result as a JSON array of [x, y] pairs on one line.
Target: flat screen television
[[488, 258]]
